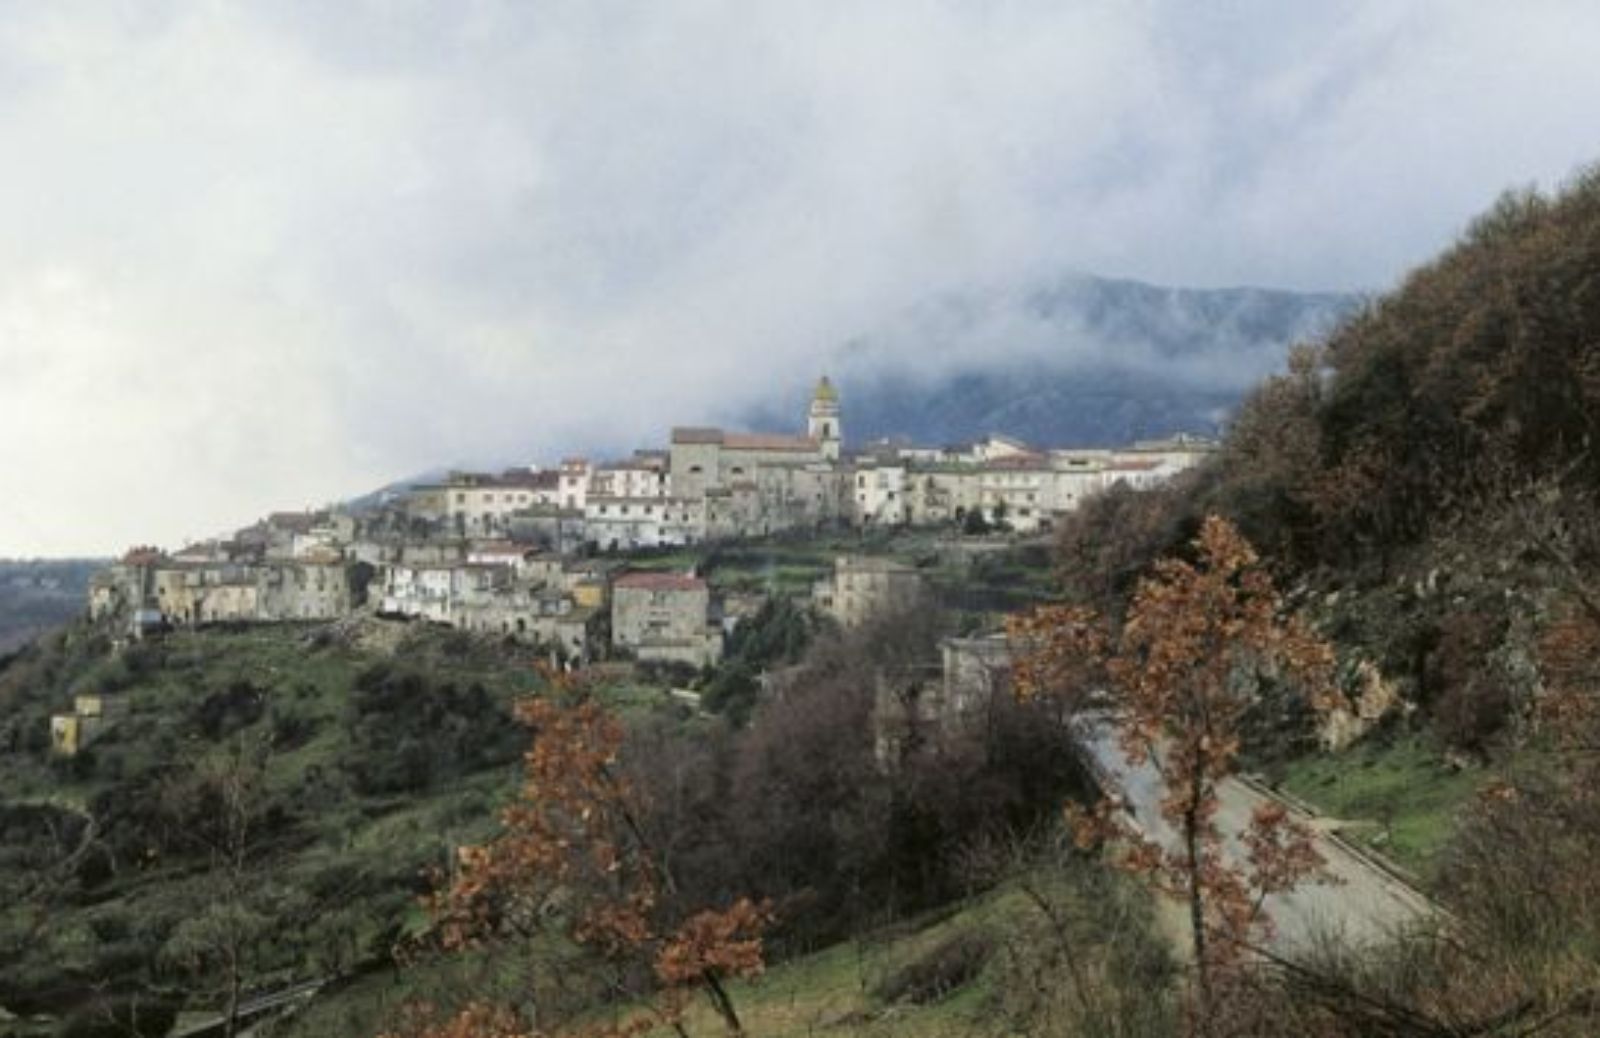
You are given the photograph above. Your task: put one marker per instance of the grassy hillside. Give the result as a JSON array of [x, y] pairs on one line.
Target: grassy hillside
[[358, 763], [1397, 796], [990, 965]]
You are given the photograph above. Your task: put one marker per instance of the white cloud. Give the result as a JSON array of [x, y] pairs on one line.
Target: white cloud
[[259, 257]]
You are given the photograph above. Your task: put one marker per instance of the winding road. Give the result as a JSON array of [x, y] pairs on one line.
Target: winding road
[[1364, 904]]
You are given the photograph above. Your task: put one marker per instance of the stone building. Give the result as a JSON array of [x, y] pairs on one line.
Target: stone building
[[624, 523], [972, 670], [864, 587], [645, 475], [880, 494], [482, 505], [664, 617], [705, 459], [1017, 488], [554, 528], [126, 588], [805, 495], [942, 492], [92, 714], [945, 700], [572, 483]]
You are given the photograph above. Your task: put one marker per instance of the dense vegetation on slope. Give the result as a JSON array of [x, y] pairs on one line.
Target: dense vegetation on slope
[[1435, 457], [1426, 481], [281, 786]]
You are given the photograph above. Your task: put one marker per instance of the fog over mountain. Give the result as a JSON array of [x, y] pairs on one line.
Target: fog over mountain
[[1085, 361]]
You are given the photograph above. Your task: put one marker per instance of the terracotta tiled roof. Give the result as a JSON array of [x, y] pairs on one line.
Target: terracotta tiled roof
[[500, 548], [1019, 461], [767, 442], [525, 478], [696, 434], [660, 582], [299, 522]]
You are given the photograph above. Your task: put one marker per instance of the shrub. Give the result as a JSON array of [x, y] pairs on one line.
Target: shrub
[[949, 965], [1471, 704], [121, 1016], [225, 712]]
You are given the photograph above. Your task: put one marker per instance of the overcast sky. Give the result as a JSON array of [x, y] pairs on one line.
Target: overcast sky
[[258, 256]]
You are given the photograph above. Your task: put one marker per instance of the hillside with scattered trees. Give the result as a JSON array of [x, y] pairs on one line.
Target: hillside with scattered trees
[[1424, 483], [1382, 597]]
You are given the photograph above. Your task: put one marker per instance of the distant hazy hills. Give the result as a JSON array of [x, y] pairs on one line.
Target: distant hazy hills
[[1084, 361], [39, 594]]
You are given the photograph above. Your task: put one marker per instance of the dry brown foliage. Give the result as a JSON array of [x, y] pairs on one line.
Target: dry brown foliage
[[571, 859], [1183, 669]]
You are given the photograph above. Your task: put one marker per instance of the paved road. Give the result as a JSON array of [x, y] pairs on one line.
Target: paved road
[[252, 1010], [1368, 905]]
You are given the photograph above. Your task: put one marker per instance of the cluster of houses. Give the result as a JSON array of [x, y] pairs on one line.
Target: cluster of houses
[[533, 553], [712, 484]]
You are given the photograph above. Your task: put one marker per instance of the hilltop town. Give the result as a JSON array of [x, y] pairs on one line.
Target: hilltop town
[[538, 553]]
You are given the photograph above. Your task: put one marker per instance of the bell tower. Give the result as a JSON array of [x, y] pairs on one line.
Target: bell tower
[[823, 420]]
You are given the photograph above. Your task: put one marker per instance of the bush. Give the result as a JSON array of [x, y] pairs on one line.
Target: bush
[[949, 965], [291, 728], [225, 712], [121, 1016], [406, 733], [1470, 701]]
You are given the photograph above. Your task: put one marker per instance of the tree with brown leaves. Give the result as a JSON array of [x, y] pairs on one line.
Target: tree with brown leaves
[[1197, 644], [572, 859]]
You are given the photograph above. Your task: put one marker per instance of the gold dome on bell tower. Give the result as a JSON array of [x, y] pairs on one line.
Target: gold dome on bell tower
[[823, 423]]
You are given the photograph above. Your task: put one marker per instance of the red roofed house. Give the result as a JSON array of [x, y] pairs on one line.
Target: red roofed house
[[664, 617]]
